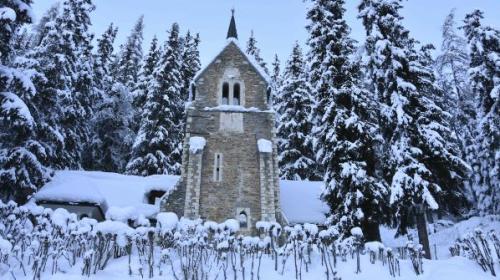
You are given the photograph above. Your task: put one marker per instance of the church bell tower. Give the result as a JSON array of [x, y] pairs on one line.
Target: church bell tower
[[229, 162]]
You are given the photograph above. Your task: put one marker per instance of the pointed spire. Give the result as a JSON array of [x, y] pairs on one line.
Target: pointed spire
[[231, 32]]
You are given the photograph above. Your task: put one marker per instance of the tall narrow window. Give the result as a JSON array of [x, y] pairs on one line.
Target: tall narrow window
[[225, 94], [193, 92], [236, 94], [268, 95], [218, 167]]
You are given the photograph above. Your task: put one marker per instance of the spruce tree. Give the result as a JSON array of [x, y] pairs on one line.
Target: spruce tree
[[276, 81], [190, 63], [345, 132], [112, 137], [254, 52], [418, 161], [157, 147], [296, 158], [451, 67], [146, 81], [23, 166], [484, 75], [130, 57], [67, 94]]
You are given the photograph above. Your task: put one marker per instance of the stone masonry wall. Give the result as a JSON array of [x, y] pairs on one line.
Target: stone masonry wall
[[244, 176]]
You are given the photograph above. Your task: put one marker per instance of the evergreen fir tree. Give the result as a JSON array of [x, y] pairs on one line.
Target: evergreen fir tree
[[484, 75], [112, 138], [156, 149], [296, 158], [190, 63], [146, 81], [254, 52], [67, 93], [451, 67], [130, 57], [418, 160], [345, 133], [23, 166], [276, 81], [104, 58]]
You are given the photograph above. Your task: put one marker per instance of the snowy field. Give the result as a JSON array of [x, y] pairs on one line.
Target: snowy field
[[58, 246]]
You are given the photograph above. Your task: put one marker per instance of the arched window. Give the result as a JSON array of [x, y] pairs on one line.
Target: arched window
[[268, 95], [193, 92], [225, 94], [236, 94], [243, 219]]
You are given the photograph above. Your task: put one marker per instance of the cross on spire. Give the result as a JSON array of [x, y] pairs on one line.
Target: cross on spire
[[231, 32]]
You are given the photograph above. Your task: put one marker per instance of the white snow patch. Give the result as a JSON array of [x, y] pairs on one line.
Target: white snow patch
[[301, 202], [105, 188], [356, 231], [166, 222], [235, 108], [265, 146], [7, 13], [196, 143]]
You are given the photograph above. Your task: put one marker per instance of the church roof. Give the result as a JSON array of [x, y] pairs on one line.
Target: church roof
[[232, 39]]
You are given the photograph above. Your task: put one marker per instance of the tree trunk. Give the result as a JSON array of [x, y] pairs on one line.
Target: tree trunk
[[423, 235], [371, 231]]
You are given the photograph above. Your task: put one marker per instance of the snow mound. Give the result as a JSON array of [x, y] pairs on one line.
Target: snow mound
[[7, 14], [167, 222], [265, 146], [123, 194], [196, 144]]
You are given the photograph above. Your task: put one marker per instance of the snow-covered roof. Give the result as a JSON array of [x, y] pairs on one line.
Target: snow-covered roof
[[250, 59], [111, 190], [124, 195], [301, 203]]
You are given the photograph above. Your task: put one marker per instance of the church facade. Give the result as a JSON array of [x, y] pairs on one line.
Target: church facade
[[229, 163]]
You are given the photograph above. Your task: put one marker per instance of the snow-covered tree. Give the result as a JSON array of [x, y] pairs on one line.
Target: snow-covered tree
[[418, 161], [484, 75], [68, 93], [23, 162], [345, 133], [254, 52], [112, 139], [157, 147], [296, 157], [190, 63], [146, 81], [451, 67], [276, 80], [130, 57], [104, 58]]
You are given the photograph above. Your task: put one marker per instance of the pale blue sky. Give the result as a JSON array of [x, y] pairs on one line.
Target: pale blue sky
[[276, 23]]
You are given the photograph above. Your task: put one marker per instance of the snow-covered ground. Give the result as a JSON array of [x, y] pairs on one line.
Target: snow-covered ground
[[456, 268], [217, 245]]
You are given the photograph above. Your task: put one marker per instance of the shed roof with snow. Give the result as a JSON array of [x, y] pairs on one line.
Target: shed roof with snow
[[123, 196]]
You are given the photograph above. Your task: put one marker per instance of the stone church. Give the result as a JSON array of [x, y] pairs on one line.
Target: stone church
[[229, 164]]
